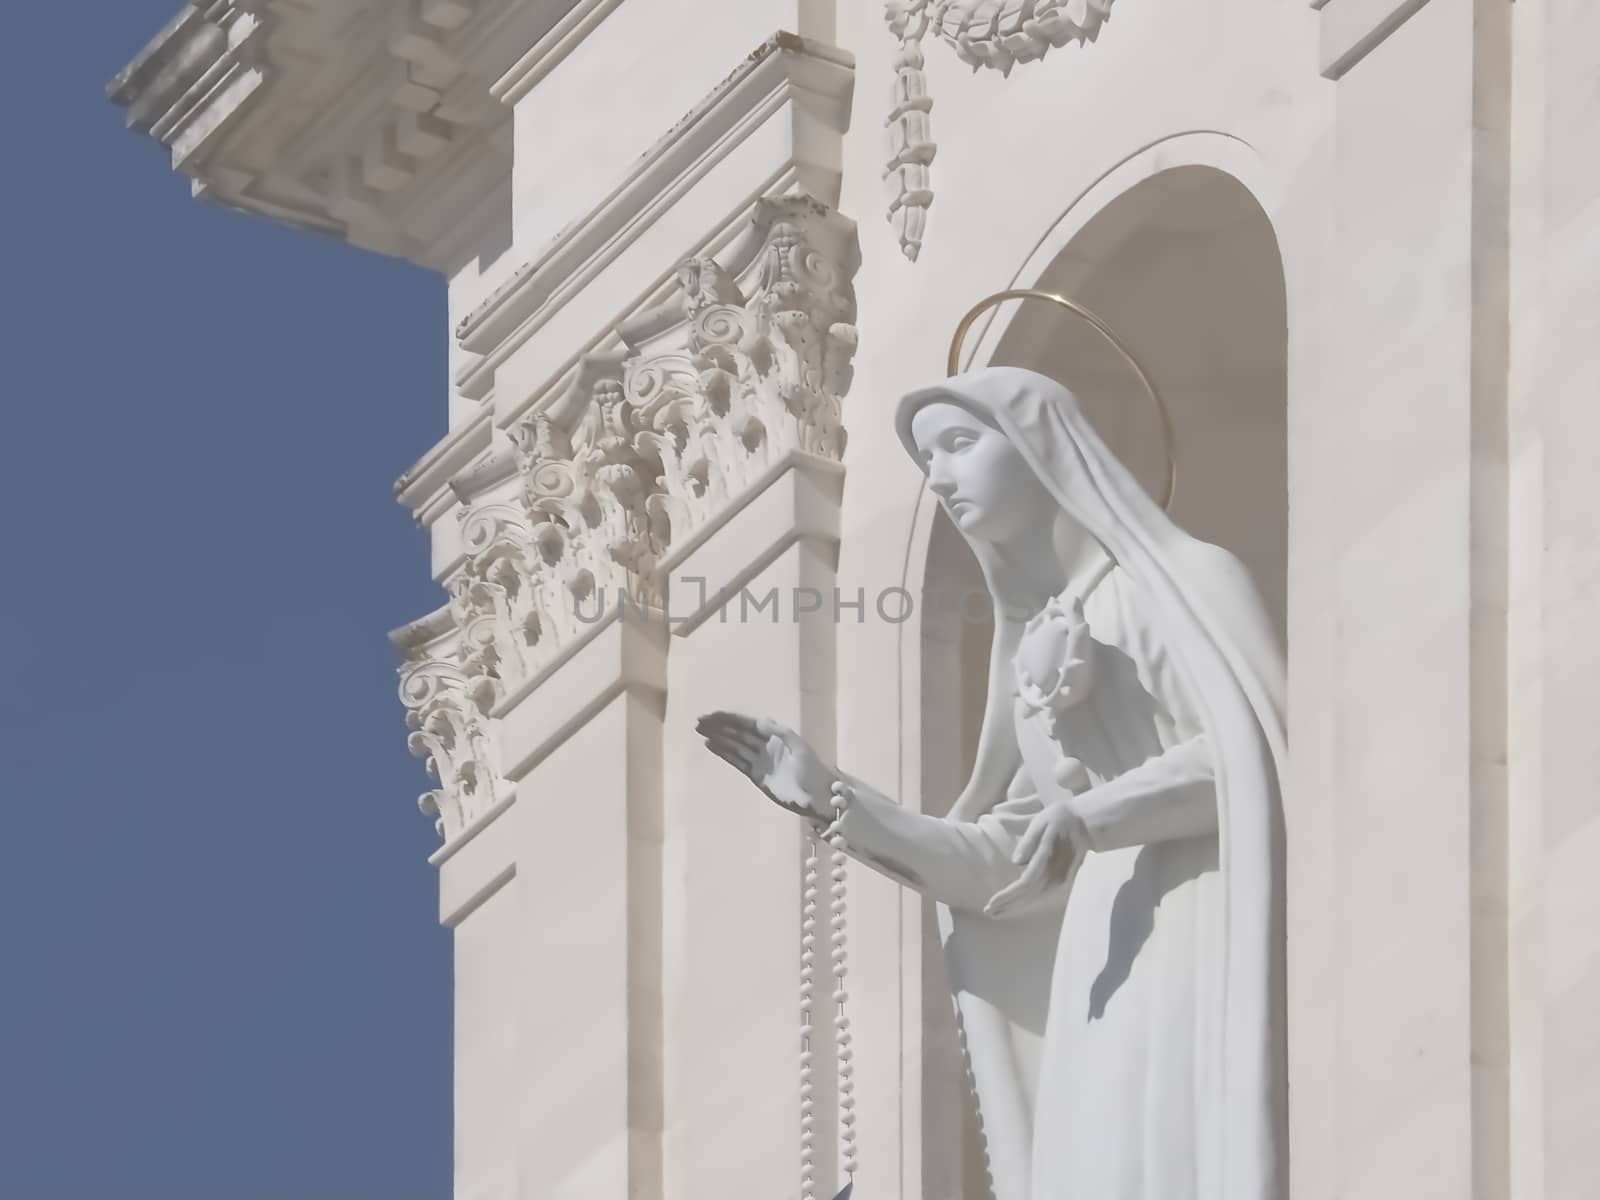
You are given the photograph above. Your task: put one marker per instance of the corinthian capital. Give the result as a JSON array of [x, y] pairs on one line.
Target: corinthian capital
[[687, 405]]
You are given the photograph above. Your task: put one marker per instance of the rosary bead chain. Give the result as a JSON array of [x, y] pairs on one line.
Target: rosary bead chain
[[841, 1022], [838, 955], [808, 1090]]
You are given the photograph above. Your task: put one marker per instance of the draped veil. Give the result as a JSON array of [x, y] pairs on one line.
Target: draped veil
[[1207, 612]]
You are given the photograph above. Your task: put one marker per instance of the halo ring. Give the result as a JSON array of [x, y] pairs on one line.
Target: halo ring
[[1163, 416]]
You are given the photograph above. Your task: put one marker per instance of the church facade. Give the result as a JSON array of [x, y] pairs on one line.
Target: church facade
[[694, 254]]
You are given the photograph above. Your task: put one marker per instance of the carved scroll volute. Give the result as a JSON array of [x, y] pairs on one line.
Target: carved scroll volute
[[704, 282], [763, 365], [495, 597], [586, 486], [448, 730]]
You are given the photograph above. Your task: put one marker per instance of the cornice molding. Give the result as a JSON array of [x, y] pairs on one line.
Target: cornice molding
[[431, 474], [371, 120], [785, 69], [166, 79], [533, 66], [1353, 29]]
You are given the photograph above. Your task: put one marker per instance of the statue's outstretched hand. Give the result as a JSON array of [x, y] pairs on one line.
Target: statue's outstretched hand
[[775, 758], [1050, 847]]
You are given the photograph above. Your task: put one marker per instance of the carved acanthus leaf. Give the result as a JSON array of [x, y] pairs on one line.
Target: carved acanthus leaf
[[445, 711], [583, 498], [754, 379]]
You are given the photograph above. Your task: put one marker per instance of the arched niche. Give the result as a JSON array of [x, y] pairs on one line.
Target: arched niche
[[1185, 267]]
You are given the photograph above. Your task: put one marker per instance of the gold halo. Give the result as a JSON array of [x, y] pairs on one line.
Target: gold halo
[[1163, 418]]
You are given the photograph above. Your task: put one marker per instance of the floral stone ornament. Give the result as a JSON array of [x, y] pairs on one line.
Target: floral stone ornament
[[1055, 659]]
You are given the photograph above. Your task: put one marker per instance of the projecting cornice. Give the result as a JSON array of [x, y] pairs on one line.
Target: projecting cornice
[[372, 120], [787, 82]]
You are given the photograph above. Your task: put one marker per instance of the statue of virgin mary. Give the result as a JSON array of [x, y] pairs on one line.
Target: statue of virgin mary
[[1110, 881]]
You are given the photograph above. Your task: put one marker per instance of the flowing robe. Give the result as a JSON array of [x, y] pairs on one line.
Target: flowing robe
[[1105, 1098]]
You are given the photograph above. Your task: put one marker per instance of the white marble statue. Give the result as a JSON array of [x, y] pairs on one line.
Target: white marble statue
[[1110, 880]]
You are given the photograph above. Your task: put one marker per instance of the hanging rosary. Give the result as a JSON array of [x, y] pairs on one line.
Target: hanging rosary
[[810, 908]]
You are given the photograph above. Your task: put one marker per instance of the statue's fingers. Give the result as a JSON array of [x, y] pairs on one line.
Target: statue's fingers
[[1028, 843], [718, 734], [1003, 899], [732, 754], [720, 720], [721, 749], [742, 755], [732, 728], [731, 723], [1024, 888]]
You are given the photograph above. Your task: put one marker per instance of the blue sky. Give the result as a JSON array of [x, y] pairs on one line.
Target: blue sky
[[221, 971]]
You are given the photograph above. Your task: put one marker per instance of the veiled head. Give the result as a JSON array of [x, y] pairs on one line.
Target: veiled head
[[983, 482], [1022, 476]]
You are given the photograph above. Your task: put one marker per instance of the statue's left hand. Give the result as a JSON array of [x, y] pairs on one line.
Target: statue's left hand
[[1052, 843]]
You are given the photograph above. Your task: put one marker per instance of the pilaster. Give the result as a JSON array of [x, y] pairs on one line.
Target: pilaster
[[659, 424], [1397, 797], [1555, 660]]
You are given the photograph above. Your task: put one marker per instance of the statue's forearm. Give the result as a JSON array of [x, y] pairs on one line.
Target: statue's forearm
[[959, 864], [1165, 798]]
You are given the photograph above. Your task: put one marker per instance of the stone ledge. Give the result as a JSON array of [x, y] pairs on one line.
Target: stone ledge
[[627, 654], [798, 498], [786, 69], [1352, 29], [533, 66], [472, 878]]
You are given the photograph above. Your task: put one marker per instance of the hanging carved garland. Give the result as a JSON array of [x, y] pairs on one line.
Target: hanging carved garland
[[984, 33]]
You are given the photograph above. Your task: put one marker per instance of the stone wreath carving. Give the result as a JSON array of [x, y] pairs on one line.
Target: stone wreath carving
[[983, 33]]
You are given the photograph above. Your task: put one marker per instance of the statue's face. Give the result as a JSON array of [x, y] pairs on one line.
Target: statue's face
[[983, 483]]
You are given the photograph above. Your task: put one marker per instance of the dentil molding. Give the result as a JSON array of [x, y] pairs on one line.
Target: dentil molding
[[995, 34], [664, 427]]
